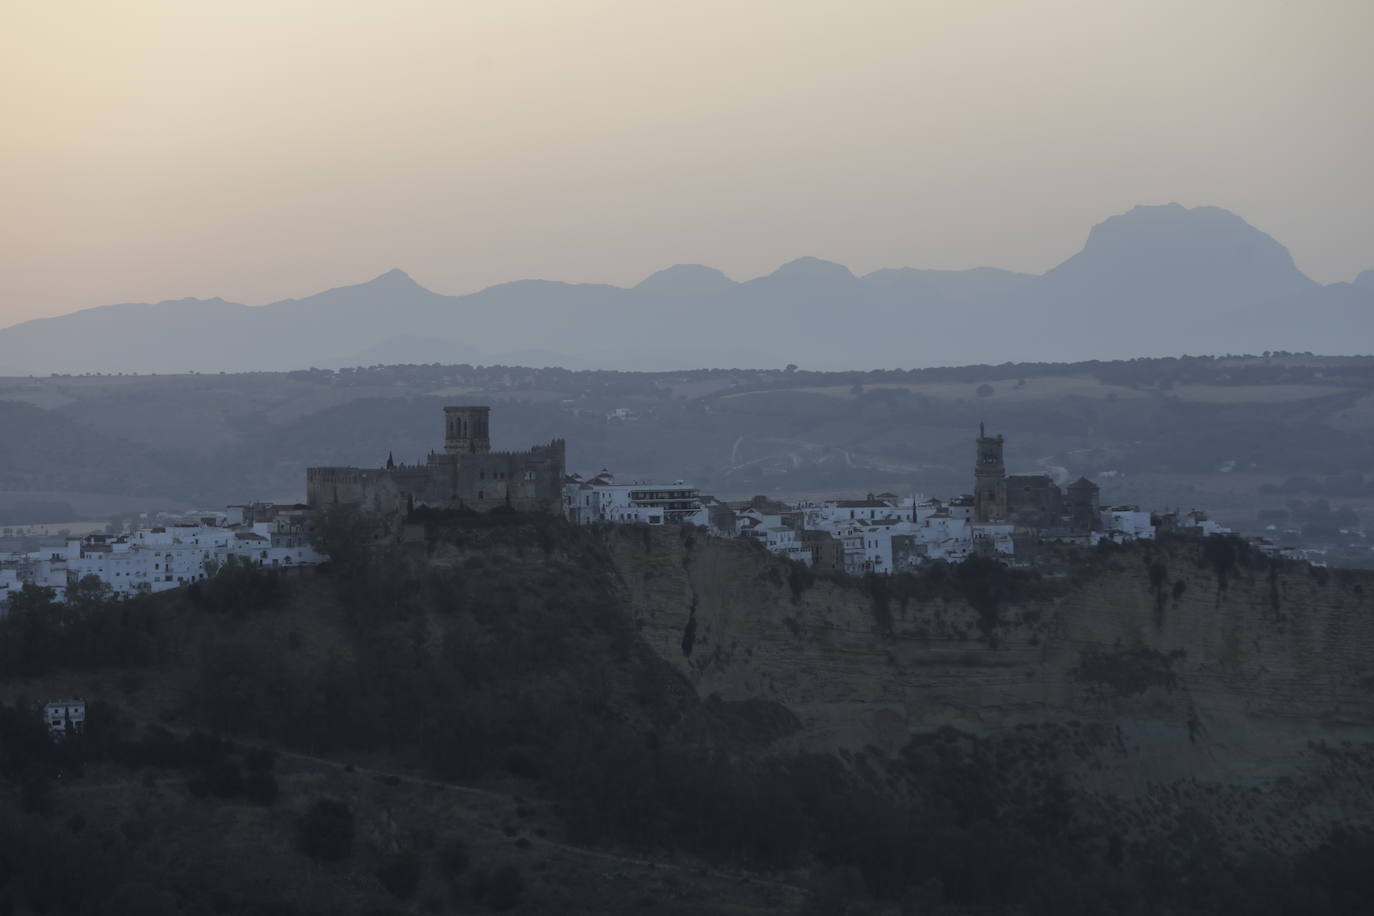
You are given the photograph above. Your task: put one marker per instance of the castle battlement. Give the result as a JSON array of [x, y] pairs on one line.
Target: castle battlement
[[466, 474]]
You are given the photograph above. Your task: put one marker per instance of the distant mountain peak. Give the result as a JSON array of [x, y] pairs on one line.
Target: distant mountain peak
[[395, 277], [1365, 280], [812, 269], [1174, 225], [685, 280], [1203, 246]]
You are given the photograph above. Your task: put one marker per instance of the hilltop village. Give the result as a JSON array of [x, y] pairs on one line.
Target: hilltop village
[[1006, 516], [174, 551]]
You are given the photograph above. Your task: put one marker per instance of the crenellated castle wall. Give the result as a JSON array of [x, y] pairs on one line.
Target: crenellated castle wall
[[526, 481]]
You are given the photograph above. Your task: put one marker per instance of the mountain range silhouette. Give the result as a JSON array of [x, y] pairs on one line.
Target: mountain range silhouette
[[1155, 281]]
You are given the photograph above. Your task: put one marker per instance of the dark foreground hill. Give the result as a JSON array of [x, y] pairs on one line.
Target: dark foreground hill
[[1183, 727]]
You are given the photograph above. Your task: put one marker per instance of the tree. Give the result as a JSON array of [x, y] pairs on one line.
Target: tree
[[452, 857], [400, 874], [345, 534], [500, 888], [325, 830], [238, 586], [30, 633], [89, 592], [240, 685], [985, 390]]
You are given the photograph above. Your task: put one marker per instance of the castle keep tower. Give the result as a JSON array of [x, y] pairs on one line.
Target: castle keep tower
[[466, 475], [466, 430], [989, 479]]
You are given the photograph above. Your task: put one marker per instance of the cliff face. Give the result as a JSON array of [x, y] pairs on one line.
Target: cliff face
[[1200, 661]]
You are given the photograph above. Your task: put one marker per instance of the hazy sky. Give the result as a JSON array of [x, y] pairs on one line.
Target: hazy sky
[[259, 149]]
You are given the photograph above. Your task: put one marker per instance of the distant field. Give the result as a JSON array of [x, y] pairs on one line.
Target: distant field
[[1358, 416], [1254, 394], [88, 507], [1036, 389], [52, 529], [1054, 388], [701, 389]]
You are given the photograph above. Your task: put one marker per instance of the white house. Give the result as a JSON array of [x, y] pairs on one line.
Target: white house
[[993, 538], [161, 557], [601, 499], [1125, 523], [781, 539], [10, 584], [65, 717]]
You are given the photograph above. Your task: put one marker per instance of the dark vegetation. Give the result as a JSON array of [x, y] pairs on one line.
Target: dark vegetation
[[95, 628], [47, 866], [619, 746], [325, 831], [514, 622], [239, 586], [211, 765], [92, 629]]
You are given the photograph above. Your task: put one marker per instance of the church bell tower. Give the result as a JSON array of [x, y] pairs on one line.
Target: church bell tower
[[989, 479], [466, 430]]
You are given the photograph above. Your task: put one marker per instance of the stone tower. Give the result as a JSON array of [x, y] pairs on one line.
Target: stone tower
[[1085, 503], [466, 430], [989, 479]]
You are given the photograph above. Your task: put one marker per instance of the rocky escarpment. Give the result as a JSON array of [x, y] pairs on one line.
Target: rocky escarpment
[[1184, 661]]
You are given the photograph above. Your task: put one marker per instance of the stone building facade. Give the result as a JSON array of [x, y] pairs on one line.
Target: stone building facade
[[989, 479], [1034, 500], [1028, 500], [467, 474]]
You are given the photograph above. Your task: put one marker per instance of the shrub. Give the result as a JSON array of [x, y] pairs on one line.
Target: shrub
[[261, 787], [452, 857], [400, 874], [239, 587], [325, 830], [499, 888]]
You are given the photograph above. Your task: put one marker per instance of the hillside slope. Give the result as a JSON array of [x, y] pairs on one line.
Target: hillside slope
[[1187, 708], [1213, 663]]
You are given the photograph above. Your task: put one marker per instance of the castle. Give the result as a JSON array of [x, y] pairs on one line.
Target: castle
[[1030, 500], [467, 474]]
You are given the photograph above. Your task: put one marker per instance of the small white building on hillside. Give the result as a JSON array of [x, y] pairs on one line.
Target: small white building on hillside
[[1125, 523], [65, 717]]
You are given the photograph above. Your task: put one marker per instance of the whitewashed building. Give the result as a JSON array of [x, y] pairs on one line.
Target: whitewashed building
[[64, 717], [884, 534], [161, 557], [1125, 523], [10, 583], [601, 499]]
